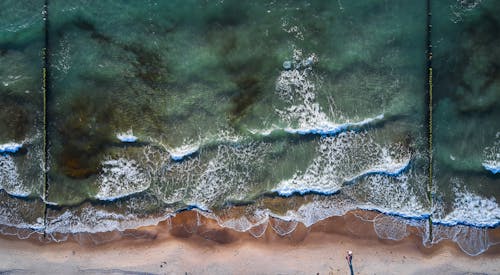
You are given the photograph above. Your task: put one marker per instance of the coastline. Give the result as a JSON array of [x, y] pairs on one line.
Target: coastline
[[193, 244]]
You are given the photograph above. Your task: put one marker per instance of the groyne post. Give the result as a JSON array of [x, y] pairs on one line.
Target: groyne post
[[45, 91], [430, 186]]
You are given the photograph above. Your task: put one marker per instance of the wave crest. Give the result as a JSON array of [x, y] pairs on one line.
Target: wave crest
[[344, 158], [492, 156]]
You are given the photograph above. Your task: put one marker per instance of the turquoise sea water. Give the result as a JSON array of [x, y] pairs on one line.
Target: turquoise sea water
[[157, 106]]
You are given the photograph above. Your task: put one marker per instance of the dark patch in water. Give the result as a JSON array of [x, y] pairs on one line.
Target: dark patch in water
[[248, 92], [245, 72], [230, 13], [84, 25], [87, 26], [148, 66], [15, 116], [456, 82], [101, 37], [84, 134]]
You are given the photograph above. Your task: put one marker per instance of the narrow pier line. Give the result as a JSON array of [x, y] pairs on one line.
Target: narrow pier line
[[45, 90], [430, 186]]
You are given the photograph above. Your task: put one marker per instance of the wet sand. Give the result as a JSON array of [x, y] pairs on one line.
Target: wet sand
[[192, 244]]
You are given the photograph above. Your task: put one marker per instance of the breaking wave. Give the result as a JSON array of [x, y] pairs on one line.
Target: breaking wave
[[10, 147], [10, 180], [121, 178], [342, 159], [492, 156], [19, 213], [127, 137], [471, 209], [182, 152], [304, 115], [471, 240], [93, 220]]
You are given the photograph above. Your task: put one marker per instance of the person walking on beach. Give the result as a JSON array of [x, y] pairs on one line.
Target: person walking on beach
[[349, 260]]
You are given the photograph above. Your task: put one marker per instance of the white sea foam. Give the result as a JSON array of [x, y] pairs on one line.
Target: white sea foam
[[10, 147], [256, 219], [383, 193], [62, 59], [283, 227], [13, 214], [391, 195], [176, 179], [12, 79], [317, 210], [92, 220], [304, 115], [472, 240], [329, 128], [390, 228], [228, 175], [120, 178], [388, 166], [127, 137], [386, 226], [462, 8], [492, 156], [493, 167], [241, 224], [10, 179], [265, 132], [471, 209], [184, 151], [296, 88], [320, 128], [344, 158]]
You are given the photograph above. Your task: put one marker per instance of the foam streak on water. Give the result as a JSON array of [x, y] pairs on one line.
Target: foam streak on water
[[127, 137], [390, 195], [344, 158], [471, 209], [10, 179], [92, 220], [21, 214], [121, 178], [297, 89], [326, 128], [228, 175], [492, 156], [182, 152]]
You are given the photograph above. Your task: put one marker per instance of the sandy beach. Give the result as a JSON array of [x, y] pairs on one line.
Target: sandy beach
[[178, 247]]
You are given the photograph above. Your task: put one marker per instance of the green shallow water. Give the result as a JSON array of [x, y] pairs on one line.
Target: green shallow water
[[232, 102], [467, 105], [206, 73]]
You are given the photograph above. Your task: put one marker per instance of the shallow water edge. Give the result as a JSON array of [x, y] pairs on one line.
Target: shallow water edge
[[195, 225]]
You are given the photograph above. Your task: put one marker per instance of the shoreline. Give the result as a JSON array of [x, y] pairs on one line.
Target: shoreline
[[193, 243]]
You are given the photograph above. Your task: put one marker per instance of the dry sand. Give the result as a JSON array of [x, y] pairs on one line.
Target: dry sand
[[182, 249]]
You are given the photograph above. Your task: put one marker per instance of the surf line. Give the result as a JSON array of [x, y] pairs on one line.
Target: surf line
[[45, 89], [429, 114]]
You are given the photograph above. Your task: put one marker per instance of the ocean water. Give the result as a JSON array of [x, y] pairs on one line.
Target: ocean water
[[293, 110], [467, 112]]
